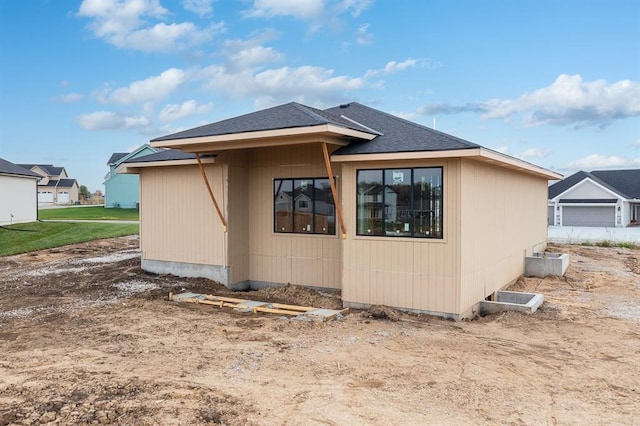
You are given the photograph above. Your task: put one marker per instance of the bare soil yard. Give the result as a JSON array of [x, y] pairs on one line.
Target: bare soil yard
[[87, 337]]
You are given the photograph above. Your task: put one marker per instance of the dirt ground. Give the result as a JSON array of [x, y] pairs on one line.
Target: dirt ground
[[86, 337]]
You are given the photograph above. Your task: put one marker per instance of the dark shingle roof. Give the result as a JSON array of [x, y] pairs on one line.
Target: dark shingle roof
[[623, 182], [49, 169], [62, 183], [164, 155], [116, 156], [285, 116], [66, 183], [398, 135], [626, 182], [7, 167]]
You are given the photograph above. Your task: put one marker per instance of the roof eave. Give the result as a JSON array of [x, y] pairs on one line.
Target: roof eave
[[476, 153], [264, 138], [134, 168]]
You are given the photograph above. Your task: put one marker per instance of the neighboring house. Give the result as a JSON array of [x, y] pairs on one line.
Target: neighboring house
[[123, 190], [602, 198], [55, 186], [18, 194], [458, 220]]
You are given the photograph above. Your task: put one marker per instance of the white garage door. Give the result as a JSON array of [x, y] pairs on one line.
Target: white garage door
[[589, 216], [45, 197], [63, 197]]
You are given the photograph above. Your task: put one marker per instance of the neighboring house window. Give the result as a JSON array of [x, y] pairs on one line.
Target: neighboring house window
[[303, 206], [410, 198]]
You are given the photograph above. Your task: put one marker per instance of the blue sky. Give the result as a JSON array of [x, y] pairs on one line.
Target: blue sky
[[554, 82]]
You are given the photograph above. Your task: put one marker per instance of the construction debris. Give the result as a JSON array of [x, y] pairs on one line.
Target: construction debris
[[243, 305]]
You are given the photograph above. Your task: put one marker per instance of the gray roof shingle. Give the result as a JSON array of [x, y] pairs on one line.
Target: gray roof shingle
[[61, 183], [398, 135], [285, 116], [49, 169], [623, 182], [116, 156], [7, 167], [164, 155]]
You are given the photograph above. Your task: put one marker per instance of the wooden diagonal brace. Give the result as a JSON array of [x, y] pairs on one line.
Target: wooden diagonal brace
[[213, 198], [334, 192]]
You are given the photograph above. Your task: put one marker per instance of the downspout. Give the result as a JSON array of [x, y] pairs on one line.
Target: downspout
[[334, 192], [213, 198]]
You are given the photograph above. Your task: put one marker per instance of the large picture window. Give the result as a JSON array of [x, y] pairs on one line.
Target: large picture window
[[303, 206], [400, 202]]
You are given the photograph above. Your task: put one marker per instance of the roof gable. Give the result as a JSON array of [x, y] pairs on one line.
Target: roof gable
[[625, 183], [7, 167], [120, 157]]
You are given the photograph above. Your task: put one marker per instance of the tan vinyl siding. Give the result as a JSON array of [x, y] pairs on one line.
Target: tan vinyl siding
[[503, 218], [411, 273], [178, 222], [311, 260], [238, 217]]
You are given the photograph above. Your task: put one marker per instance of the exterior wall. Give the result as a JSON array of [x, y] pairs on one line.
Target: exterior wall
[[18, 198], [122, 191], [410, 273], [503, 218], [310, 260], [177, 220]]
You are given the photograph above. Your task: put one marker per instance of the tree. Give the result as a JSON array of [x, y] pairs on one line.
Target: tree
[[84, 193]]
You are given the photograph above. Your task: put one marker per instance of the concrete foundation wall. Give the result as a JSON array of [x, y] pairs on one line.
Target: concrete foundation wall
[[193, 270]]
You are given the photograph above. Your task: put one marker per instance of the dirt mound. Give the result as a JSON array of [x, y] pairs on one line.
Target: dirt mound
[[383, 313], [297, 295]]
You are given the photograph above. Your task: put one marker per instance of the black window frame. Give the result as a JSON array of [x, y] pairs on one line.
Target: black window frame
[[411, 211], [293, 205]]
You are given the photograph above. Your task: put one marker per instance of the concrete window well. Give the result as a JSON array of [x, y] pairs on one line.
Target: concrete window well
[[543, 264], [527, 303]]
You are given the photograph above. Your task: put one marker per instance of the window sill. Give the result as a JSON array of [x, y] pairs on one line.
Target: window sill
[[399, 239]]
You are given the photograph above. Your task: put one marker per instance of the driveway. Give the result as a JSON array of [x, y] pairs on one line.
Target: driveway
[[583, 234]]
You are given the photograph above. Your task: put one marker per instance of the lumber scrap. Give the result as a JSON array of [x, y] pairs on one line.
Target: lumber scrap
[[302, 312]]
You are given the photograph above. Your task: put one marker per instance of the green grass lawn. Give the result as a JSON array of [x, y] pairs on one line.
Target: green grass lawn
[[26, 237], [88, 213]]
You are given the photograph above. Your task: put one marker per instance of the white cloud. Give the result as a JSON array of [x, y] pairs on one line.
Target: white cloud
[[200, 7], [173, 112], [152, 88], [306, 10], [570, 100], [303, 84], [527, 154], [597, 161], [316, 11], [107, 120], [391, 67], [355, 7], [531, 153], [363, 36], [123, 24], [411, 116], [244, 54], [69, 98]]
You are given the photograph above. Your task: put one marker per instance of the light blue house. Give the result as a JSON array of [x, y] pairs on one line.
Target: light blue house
[[123, 191]]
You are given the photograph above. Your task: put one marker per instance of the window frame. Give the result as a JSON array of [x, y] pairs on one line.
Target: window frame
[[312, 203], [412, 210]]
